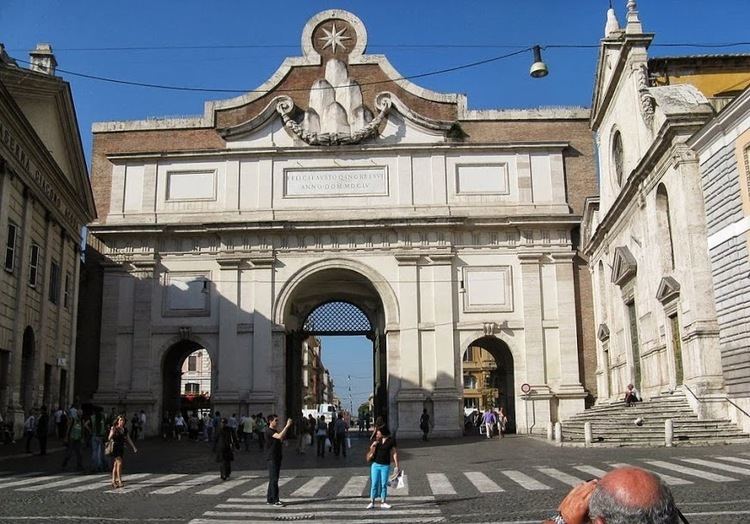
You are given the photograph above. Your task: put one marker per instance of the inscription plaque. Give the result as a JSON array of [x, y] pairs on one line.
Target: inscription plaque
[[301, 183]]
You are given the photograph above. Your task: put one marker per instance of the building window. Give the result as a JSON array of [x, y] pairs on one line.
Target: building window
[[469, 355], [471, 403], [618, 158], [54, 282], [33, 265], [192, 363], [470, 382], [10, 247], [66, 295], [192, 388]]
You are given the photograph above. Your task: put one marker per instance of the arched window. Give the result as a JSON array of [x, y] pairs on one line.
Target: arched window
[[664, 224], [470, 382], [618, 158]]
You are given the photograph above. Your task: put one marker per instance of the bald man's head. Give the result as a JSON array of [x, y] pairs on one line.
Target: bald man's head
[[632, 496]]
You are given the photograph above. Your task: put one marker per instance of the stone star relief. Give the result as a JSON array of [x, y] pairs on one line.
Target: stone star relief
[[334, 38]]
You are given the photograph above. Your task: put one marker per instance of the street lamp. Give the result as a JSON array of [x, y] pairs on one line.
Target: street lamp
[[538, 68]]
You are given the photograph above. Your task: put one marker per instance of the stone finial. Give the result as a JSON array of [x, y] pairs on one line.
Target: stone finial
[[612, 23], [634, 22], [43, 60]]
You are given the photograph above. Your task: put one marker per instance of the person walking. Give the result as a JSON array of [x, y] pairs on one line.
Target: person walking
[[248, 428], [142, 425], [226, 444], [119, 436], [321, 432], [274, 439], [382, 450], [233, 425], [260, 429], [301, 424], [312, 426], [424, 424], [29, 430], [339, 435], [73, 439], [42, 430], [488, 421], [179, 425], [502, 422], [98, 431]]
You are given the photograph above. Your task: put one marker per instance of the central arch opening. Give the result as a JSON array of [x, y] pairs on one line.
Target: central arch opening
[[335, 351], [187, 377]]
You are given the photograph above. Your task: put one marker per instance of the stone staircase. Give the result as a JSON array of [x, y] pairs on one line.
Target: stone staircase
[[613, 425]]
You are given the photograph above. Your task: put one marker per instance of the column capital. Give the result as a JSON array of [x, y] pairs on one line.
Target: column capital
[[563, 258], [441, 259], [407, 259], [530, 257], [230, 262]]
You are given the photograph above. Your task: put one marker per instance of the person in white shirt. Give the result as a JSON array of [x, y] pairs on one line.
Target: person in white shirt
[[142, 434], [179, 425], [29, 430]]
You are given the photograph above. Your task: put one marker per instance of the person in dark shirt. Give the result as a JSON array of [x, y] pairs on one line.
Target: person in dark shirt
[[382, 450], [273, 442]]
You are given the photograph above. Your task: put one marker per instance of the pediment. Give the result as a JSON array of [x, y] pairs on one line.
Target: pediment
[[624, 266], [603, 332], [668, 289]]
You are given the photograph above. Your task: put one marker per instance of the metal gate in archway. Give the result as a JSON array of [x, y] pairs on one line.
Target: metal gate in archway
[[332, 318]]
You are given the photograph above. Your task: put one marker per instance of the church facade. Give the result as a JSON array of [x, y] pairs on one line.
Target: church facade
[[339, 182]]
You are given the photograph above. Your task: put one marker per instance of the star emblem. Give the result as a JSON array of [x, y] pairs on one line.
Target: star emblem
[[334, 38]]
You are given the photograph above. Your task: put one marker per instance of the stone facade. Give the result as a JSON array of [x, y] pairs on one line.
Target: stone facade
[[45, 200], [338, 180], [723, 146], [646, 234]]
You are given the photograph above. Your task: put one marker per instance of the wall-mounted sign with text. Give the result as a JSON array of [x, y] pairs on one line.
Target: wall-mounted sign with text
[[337, 182]]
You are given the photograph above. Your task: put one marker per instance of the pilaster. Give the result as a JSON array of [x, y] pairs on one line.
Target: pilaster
[[262, 383], [144, 271], [228, 372]]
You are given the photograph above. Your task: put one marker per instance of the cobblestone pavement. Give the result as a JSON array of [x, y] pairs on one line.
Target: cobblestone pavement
[[460, 480]]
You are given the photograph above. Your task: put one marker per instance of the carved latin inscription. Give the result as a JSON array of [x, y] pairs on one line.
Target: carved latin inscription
[[300, 183]]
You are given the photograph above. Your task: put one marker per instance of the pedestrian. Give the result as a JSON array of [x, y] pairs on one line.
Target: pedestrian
[[301, 433], [226, 444], [382, 450], [502, 422], [248, 428], [215, 424], [340, 429], [42, 430], [631, 395], [98, 432], [320, 433], [274, 439], [331, 424], [488, 421], [312, 426], [29, 430], [135, 424], [119, 436], [73, 440], [424, 424], [626, 494], [360, 424], [233, 425], [179, 425], [59, 428], [142, 421], [260, 428]]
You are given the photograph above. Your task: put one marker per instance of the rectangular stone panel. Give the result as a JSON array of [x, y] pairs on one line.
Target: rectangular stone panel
[[335, 182], [133, 200], [186, 294], [482, 178], [191, 185], [488, 288]]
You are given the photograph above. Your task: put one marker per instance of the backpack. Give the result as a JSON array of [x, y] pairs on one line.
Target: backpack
[[76, 429]]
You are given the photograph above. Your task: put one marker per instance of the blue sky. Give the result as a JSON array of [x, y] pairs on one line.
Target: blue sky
[[412, 34]]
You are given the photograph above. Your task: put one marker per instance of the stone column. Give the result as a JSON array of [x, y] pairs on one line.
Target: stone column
[[43, 284], [411, 395], [267, 365], [446, 398], [226, 396], [141, 394], [570, 392], [536, 373], [74, 320], [107, 385]]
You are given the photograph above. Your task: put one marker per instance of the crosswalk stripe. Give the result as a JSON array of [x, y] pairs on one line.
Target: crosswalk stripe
[[227, 485], [690, 471], [311, 487], [524, 480], [355, 486], [570, 480], [190, 483], [439, 484], [717, 465], [669, 479], [32, 480], [153, 481], [327, 505], [591, 470], [382, 517], [262, 488], [102, 483], [288, 515], [64, 482], [482, 482], [735, 459], [18, 477], [403, 501]]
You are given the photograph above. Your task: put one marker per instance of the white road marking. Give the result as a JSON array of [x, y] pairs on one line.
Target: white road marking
[[355, 487], [273, 513], [381, 517], [716, 465], [227, 485], [690, 471], [439, 484], [482, 482], [556, 474], [591, 470], [63, 482], [153, 481], [735, 459], [261, 490], [311, 487], [669, 479], [31, 480], [524, 480], [403, 501], [102, 483], [190, 483]]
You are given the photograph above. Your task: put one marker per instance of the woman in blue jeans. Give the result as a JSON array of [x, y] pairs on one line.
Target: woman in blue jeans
[[382, 450]]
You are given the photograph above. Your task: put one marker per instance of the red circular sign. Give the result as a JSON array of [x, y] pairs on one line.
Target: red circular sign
[[525, 388]]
